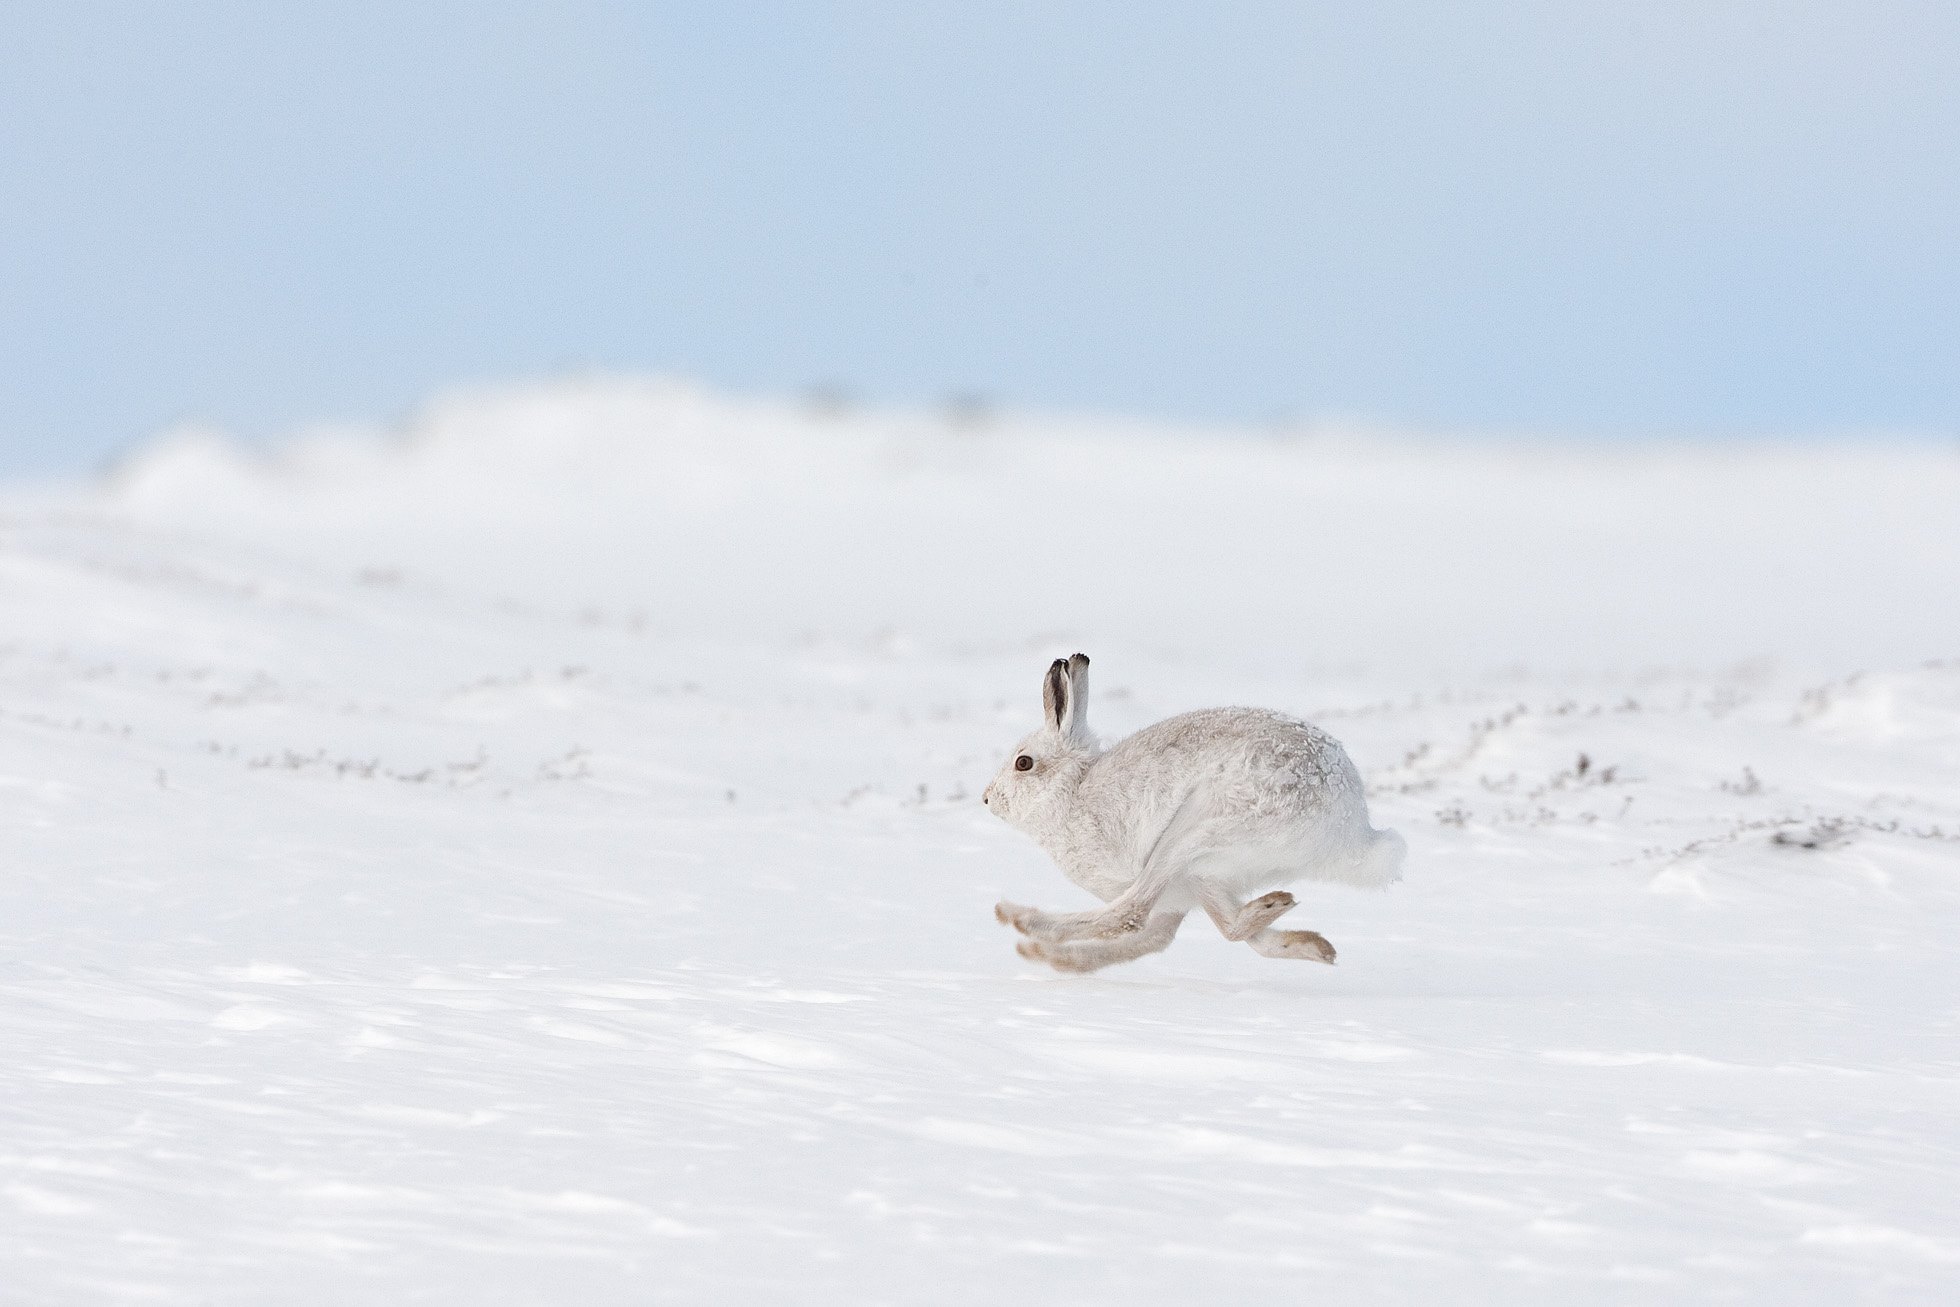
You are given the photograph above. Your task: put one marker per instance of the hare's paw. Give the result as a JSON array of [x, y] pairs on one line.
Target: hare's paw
[[1265, 910], [1058, 956], [1305, 945], [1013, 914]]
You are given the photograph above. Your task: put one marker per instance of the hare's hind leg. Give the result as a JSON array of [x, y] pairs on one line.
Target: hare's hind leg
[[1130, 915], [1126, 914], [1305, 945], [1154, 936], [1236, 922], [1033, 921]]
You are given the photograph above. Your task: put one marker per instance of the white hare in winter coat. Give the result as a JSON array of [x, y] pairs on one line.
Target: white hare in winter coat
[[1204, 810]]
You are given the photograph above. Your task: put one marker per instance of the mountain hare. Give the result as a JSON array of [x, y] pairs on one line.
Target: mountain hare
[[1203, 810]]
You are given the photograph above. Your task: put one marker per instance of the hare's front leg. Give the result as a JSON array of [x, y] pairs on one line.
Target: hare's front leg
[[1305, 945], [1248, 924], [1238, 923], [1154, 936]]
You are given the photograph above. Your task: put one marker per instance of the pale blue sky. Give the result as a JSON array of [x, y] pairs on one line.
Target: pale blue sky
[[1602, 217]]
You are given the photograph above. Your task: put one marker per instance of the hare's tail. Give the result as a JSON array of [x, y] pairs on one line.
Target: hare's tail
[[1380, 860]]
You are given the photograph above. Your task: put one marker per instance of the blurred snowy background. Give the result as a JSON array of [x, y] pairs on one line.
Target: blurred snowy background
[[522, 535]]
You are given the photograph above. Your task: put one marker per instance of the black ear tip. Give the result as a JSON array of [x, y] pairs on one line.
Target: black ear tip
[[1079, 660], [1062, 663]]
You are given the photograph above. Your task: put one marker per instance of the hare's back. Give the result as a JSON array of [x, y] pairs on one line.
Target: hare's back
[[1255, 762]]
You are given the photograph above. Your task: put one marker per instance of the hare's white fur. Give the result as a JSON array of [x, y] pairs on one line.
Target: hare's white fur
[[1203, 810]]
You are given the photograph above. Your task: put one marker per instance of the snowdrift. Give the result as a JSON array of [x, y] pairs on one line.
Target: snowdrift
[[535, 855]]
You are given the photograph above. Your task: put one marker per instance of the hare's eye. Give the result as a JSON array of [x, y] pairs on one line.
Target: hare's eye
[[1023, 763]]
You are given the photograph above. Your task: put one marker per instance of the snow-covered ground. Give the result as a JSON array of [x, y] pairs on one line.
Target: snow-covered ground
[[536, 857]]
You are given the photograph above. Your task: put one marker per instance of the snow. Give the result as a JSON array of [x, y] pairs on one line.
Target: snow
[[536, 856]]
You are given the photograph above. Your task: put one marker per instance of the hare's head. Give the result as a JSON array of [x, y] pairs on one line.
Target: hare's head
[[1043, 769]]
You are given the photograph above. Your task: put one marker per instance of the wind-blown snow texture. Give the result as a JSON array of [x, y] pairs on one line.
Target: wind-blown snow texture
[[538, 858]]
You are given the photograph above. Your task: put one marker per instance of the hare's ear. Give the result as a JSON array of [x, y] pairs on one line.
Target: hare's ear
[[1078, 697], [1054, 696]]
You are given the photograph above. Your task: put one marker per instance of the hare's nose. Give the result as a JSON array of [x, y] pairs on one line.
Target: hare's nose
[[987, 795]]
